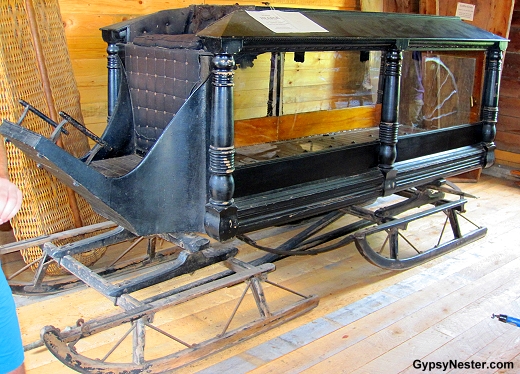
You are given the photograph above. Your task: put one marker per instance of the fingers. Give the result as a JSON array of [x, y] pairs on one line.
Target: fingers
[[10, 200]]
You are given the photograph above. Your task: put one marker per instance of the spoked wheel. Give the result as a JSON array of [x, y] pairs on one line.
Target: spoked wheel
[[403, 242], [130, 254]]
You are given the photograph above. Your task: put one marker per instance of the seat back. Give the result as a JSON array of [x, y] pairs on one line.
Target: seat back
[[162, 72]]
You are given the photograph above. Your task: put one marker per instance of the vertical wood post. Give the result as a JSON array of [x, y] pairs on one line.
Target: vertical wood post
[[139, 338], [489, 109], [114, 76], [389, 125], [381, 83], [220, 219], [274, 103]]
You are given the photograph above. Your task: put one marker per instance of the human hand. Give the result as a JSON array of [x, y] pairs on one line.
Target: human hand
[[10, 200]]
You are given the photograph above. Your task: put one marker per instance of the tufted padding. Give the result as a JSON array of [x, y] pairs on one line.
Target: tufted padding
[[160, 81], [163, 22], [164, 62]]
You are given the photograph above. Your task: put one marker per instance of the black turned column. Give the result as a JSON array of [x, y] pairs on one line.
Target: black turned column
[[114, 76], [489, 109], [220, 220], [389, 126]]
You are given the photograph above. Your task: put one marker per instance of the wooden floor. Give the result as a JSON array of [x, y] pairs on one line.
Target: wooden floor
[[368, 320]]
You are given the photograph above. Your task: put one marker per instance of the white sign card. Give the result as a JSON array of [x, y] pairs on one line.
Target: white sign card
[[285, 22], [465, 11]]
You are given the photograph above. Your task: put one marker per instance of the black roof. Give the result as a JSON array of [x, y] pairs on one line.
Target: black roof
[[239, 32]]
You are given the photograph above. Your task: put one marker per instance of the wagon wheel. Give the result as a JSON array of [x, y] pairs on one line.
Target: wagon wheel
[[439, 110], [405, 242], [32, 278], [25, 281]]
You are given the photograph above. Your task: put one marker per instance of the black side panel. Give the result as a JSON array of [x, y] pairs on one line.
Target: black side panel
[[166, 192], [436, 141], [119, 132], [290, 171], [347, 161]]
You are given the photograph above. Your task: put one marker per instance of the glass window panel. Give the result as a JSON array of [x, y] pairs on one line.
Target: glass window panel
[[322, 81], [436, 90]]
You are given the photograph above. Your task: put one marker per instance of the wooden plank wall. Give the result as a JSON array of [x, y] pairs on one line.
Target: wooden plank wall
[[82, 20], [508, 134], [329, 91], [324, 81], [497, 16], [491, 15]]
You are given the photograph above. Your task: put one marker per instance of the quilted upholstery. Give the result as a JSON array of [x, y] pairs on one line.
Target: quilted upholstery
[[160, 80]]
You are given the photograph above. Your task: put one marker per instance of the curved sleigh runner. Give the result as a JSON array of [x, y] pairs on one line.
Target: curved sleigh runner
[[389, 246], [175, 164], [139, 318], [388, 228]]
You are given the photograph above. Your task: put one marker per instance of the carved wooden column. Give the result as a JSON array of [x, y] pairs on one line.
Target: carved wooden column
[[389, 126], [220, 219], [113, 36], [114, 76], [489, 109]]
